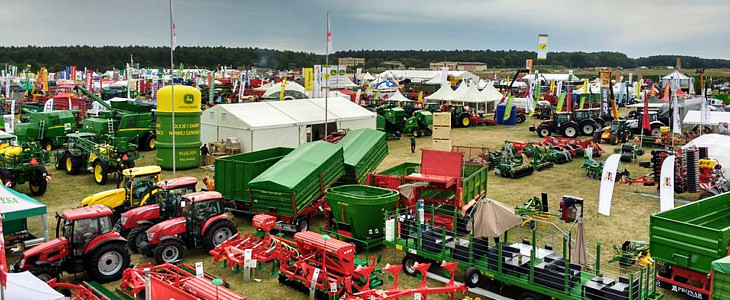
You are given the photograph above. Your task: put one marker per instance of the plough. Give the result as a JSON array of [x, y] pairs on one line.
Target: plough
[[395, 292], [262, 244], [179, 278], [574, 145]]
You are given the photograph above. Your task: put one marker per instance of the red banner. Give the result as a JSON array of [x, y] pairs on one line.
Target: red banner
[[73, 73], [160, 290], [3, 259], [89, 80]]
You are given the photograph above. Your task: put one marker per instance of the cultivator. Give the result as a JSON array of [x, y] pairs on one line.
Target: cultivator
[[263, 245], [593, 167], [512, 163], [395, 292], [84, 291], [179, 280], [574, 145], [538, 157]]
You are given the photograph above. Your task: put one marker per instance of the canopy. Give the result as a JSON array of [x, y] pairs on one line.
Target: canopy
[[386, 84], [397, 96], [716, 117], [718, 147], [549, 77], [15, 205], [294, 90], [491, 94], [469, 94], [445, 93], [23, 286], [492, 218], [368, 77], [676, 75]]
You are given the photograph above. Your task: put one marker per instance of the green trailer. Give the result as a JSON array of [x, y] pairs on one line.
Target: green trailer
[[357, 211], [49, 128], [363, 150], [233, 173], [686, 240], [293, 187]]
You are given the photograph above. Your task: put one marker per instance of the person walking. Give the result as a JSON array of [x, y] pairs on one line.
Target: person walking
[[413, 144], [204, 154]]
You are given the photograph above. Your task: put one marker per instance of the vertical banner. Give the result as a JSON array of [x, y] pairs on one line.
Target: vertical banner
[[676, 122], [308, 79], [73, 73], [538, 87], [666, 184], [317, 81], [89, 79], [357, 96], [242, 86], [444, 75], [542, 40], [358, 75], [283, 88], [608, 178], [605, 77]]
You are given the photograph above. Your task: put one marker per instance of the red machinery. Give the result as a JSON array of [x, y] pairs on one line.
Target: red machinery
[[77, 291], [473, 155], [394, 292], [574, 145], [179, 281], [263, 245]]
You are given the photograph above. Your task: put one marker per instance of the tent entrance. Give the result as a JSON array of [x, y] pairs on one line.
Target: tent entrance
[[316, 132]]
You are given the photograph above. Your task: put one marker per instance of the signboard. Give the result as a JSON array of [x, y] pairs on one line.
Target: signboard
[[199, 269], [335, 77], [605, 81], [308, 79], [528, 64], [542, 40]]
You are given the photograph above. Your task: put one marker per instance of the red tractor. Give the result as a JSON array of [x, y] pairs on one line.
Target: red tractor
[[85, 242], [134, 223], [202, 223]]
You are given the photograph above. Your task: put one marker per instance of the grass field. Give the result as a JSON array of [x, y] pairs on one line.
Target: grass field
[[629, 218]]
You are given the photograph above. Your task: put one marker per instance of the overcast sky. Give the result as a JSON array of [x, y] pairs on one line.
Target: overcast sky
[[637, 28]]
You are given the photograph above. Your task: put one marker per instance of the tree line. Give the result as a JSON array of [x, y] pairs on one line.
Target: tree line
[[110, 57]]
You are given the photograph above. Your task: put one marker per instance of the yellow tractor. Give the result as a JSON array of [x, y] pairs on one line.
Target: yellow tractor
[[138, 188]]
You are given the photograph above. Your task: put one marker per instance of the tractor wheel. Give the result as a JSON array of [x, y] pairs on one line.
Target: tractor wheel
[[520, 118], [101, 171], [543, 131], [73, 164], [569, 130], [416, 133], [409, 261], [429, 132], [472, 276], [529, 295], [588, 128], [129, 164], [47, 145], [38, 184], [656, 131], [60, 160], [147, 142], [108, 262], [169, 251], [465, 121], [44, 274], [218, 233], [136, 237], [614, 139]]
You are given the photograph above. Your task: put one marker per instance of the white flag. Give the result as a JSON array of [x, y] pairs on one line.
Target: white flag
[[173, 43], [608, 178], [666, 184], [329, 35], [704, 112]]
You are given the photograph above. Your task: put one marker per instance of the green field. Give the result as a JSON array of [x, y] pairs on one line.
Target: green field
[[629, 215]]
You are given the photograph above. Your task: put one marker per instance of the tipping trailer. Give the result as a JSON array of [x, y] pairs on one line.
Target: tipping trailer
[[685, 242], [292, 189], [233, 173], [356, 211], [363, 150]]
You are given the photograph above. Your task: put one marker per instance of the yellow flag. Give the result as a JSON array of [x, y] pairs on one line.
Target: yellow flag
[[552, 86], [420, 97], [283, 87]]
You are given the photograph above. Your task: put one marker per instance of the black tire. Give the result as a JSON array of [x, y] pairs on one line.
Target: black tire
[[520, 118], [218, 233], [136, 237], [60, 160], [130, 164], [100, 171], [528, 295], [587, 128], [472, 277], [73, 164], [148, 142], [614, 139], [569, 130], [464, 121], [38, 184], [302, 224], [408, 262], [170, 250], [112, 256], [707, 194], [47, 145], [597, 137], [429, 132], [656, 131], [44, 274], [543, 131]]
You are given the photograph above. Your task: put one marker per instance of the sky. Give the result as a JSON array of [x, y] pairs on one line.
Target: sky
[[637, 28]]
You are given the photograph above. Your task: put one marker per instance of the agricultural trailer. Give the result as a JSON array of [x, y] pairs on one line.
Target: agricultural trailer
[[363, 150], [355, 211]]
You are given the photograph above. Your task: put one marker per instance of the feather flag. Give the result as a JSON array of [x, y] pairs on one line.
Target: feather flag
[[608, 178], [3, 259], [666, 184], [173, 35], [552, 87], [561, 99], [645, 115], [329, 34], [508, 107]]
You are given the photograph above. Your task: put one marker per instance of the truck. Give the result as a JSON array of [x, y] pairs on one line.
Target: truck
[[686, 241], [292, 189], [129, 119], [363, 150], [234, 172], [49, 129]]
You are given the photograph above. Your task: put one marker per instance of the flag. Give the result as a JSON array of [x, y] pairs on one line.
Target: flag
[[283, 88], [542, 41], [538, 87], [608, 178], [329, 34], [645, 116], [676, 123], [552, 87], [420, 97], [173, 42], [666, 184], [704, 112], [3, 259], [561, 99], [508, 107]]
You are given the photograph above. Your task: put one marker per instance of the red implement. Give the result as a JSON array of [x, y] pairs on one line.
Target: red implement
[[178, 278]]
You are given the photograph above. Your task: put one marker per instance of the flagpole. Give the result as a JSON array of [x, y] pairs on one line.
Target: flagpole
[[172, 89], [327, 63]]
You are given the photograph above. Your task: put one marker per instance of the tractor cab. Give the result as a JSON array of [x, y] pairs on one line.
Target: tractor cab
[[140, 184], [80, 226], [197, 208], [9, 144], [543, 110], [561, 118]]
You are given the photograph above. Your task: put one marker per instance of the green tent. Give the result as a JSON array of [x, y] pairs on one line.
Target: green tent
[[16, 208]]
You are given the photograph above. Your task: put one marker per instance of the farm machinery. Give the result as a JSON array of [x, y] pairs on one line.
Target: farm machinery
[[538, 157], [616, 133], [262, 244], [593, 167], [129, 119], [49, 129], [568, 124], [575, 146], [631, 253], [103, 155], [23, 163], [629, 152], [85, 242], [391, 121], [169, 281], [420, 124], [202, 224], [395, 292], [512, 164]]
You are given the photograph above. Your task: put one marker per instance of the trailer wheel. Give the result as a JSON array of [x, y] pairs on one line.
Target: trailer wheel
[[472, 276], [520, 118], [170, 250], [108, 262], [38, 184], [528, 295], [136, 237], [465, 121], [101, 171], [409, 261], [302, 224]]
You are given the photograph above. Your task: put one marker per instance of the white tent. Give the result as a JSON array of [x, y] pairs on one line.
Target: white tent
[[368, 77], [425, 76], [445, 93], [547, 77], [718, 147], [349, 114], [397, 96], [469, 94], [684, 81], [293, 89], [490, 94], [694, 117], [24, 286]]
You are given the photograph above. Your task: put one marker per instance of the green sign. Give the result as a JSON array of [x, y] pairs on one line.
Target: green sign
[[189, 99]]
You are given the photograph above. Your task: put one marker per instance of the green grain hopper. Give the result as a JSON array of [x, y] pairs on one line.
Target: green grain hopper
[[359, 211], [363, 150], [48, 128], [292, 188], [686, 240], [233, 173]]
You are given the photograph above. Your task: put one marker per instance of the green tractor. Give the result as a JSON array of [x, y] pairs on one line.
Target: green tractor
[[392, 121], [420, 124], [131, 120], [24, 163], [49, 128], [101, 154]]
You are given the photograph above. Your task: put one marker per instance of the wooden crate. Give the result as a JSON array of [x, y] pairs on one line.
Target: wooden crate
[[441, 133], [443, 145], [441, 119]]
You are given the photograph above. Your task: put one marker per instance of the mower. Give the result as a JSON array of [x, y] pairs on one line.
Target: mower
[[559, 155], [514, 166]]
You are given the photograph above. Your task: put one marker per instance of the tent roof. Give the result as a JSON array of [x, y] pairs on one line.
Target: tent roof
[[368, 77], [16, 206], [256, 115], [491, 94], [676, 75], [718, 147], [651, 105], [397, 96], [550, 77], [303, 112], [424, 75], [469, 94], [344, 109], [290, 85], [22, 286], [716, 117], [445, 93]]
